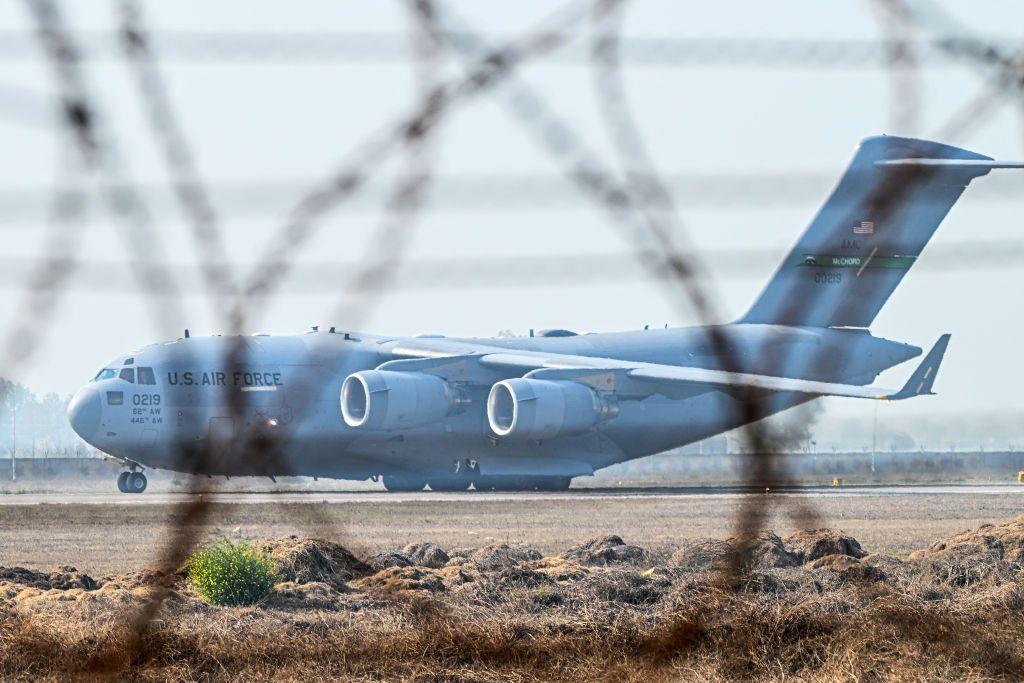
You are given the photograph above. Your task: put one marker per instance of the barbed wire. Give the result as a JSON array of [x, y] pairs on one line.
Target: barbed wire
[[351, 176], [101, 158], [389, 242], [189, 188], [642, 228], [639, 169], [50, 274], [904, 68], [628, 191], [261, 445], [1003, 65]]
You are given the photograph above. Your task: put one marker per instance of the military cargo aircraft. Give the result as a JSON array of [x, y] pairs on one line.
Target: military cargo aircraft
[[532, 413]]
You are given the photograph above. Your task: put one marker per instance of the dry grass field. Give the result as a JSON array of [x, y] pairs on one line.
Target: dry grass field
[[528, 587], [810, 605]]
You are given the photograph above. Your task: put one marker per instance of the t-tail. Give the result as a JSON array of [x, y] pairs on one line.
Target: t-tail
[[870, 232]]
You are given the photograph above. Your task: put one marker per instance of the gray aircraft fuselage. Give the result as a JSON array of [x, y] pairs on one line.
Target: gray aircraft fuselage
[[292, 386]]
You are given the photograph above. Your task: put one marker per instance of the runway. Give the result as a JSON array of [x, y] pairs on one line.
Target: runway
[[341, 496], [106, 531]]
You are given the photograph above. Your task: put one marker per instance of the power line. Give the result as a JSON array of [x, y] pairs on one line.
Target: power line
[[99, 276], [507, 191], [235, 48]]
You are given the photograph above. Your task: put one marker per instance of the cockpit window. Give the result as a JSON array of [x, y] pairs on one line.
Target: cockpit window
[[128, 375], [146, 376], [115, 398], [129, 361], [105, 373]]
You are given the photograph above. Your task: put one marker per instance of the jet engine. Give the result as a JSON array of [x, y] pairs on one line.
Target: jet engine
[[381, 399], [544, 409]]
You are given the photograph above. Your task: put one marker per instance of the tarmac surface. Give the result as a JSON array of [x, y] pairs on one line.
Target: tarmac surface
[[335, 496], [98, 529]]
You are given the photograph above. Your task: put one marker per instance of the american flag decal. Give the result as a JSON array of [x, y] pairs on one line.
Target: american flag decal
[[865, 228]]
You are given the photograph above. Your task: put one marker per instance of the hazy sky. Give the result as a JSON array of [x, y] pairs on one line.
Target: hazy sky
[[264, 129]]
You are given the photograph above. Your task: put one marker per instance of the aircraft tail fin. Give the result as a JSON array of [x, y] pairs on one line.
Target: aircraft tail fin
[[869, 232]]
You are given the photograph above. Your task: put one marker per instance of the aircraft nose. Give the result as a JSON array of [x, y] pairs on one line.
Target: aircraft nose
[[84, 413]]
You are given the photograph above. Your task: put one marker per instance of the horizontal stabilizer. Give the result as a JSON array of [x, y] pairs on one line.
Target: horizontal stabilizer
[[920, 383]]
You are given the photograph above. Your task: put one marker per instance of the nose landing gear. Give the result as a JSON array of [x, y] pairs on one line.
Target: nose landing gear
[[131, 482]]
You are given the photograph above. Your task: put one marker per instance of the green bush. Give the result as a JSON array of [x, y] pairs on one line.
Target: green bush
[[227, 573]]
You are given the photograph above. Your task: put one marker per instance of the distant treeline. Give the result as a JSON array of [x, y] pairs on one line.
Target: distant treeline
[[30, 423]]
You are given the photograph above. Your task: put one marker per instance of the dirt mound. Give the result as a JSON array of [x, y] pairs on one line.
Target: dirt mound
[[602, 551], [848, 568], [811, 545], [502, 555], [454, 576], [398, 579], [426, 555], [559, 569], [305, 560], [1003, 542], [313, 595], [65, 578], [499, 586], [768, 551], [505, 612], [625, 587], [387, 560], [836, 562], [960, 567], [991, 555], [703, 553], [145, 578], [887, 563], [775, 583], [519, 577]]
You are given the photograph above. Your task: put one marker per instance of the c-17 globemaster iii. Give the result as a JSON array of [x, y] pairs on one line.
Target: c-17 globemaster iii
[[532, 413]]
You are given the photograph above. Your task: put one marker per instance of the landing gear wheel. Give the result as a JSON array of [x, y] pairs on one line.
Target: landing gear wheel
[[136, 482], [122, 482], [403, 483]]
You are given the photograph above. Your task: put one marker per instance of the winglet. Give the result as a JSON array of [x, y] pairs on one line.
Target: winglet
[[920, 383]]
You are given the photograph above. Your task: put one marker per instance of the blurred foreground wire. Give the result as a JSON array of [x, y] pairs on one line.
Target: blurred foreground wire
[[627, 190]]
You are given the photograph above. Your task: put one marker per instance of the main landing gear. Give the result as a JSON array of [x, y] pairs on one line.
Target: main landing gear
[[521, 483], [409, 482], [131, 482]]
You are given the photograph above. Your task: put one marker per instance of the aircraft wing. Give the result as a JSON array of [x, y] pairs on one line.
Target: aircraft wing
[[611, 372], [919, 383]]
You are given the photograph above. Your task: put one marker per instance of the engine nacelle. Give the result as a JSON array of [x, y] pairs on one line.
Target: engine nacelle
[[543, 409], [381, 399]]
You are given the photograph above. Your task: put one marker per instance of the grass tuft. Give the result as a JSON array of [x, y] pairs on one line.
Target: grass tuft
[[227, 573]]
